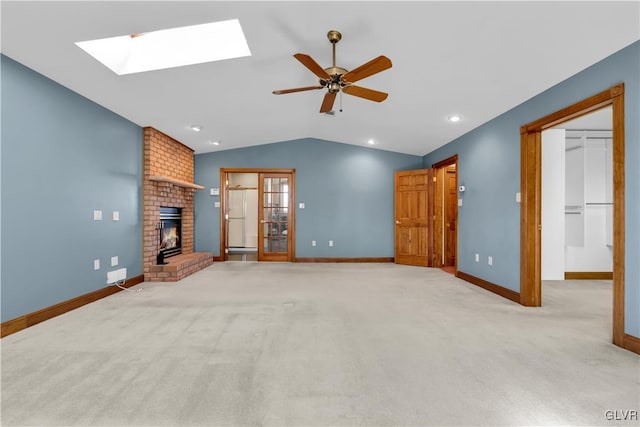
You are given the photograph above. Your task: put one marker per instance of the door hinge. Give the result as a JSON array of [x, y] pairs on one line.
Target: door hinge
[[435, 179], [539, 227]]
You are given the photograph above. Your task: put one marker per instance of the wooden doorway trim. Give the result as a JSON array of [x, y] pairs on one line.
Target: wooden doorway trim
[[438, 214], [531, 201], [224, 200]]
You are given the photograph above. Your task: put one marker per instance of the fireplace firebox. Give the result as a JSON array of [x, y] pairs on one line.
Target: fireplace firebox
[[170, 231]]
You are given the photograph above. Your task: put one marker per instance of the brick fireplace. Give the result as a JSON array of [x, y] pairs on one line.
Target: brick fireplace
[[168, 183]]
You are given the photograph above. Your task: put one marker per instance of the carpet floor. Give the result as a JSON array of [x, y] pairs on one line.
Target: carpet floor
[[251, 344]]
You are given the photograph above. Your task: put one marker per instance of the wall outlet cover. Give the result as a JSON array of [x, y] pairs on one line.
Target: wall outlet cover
[[116, 216], [114, 261], [97, 215], [96, 264], [459, 202]]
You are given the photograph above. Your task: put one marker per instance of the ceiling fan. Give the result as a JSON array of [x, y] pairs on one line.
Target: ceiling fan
[[336, 79]]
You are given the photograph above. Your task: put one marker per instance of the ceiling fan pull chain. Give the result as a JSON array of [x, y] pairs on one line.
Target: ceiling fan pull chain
[[341, 101]]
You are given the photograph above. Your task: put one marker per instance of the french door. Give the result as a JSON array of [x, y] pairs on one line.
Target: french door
[[275, 216]]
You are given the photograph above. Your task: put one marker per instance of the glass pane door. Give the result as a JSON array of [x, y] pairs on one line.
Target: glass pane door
[[275, 201]]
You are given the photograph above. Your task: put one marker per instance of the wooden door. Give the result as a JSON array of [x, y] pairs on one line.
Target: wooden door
[[414, 197], [275, 231], [450, 216]]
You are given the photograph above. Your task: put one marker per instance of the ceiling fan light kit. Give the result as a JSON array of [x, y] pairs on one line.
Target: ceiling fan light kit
[[336, 79]]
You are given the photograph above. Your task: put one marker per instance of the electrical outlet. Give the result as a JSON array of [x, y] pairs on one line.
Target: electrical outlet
[[121, 274], [477, 257], [459, 202], [114, 261], [112, 277], [96, 264], [330, 243], [301, 205], [116, 216], [313, 243], [518, 197], [97, 215], [490, 260]]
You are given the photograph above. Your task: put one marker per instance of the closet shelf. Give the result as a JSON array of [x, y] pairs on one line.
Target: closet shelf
[[177, 182]]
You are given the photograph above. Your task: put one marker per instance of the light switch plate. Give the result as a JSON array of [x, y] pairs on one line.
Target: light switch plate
[[116, 216], [518, 197], [114, 261], [490, 260], [97, 215], [459, 202], [216, 205], [96, 264], [301, 205], [330, 243]]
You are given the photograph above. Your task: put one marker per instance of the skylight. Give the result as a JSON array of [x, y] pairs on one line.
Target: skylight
[[175, 47]]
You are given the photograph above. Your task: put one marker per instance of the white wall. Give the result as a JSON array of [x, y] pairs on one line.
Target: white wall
[[595, 253], [553, 201]]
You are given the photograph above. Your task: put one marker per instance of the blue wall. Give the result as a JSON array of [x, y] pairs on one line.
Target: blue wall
[[347, 192], [62, 157], [489, 166]]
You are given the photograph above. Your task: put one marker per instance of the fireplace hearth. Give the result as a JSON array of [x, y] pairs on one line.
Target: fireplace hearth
[[170, 231]]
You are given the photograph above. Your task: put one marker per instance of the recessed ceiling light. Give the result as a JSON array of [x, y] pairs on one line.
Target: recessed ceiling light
[[454, 118], [214, 142], [174, 47], [371, 142], [195, 128]]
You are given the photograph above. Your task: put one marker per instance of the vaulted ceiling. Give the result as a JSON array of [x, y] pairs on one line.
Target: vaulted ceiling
[[475, 59]]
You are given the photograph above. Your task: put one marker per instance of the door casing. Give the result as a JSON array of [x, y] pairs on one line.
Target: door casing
[[531, 200], [440, 203], [224, 200]]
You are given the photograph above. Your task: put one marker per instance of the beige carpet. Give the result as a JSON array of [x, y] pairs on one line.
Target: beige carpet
[[244, 344]]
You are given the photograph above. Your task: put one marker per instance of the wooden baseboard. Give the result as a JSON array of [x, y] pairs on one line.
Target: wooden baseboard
[[631, 343], [12, 326], [491, 287], [218, 258], [381, 259], [588, 275]]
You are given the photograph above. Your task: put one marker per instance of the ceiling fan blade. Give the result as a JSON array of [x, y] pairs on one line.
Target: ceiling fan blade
[[363, 92], [297, 89], [327, 103], [372, 67], [312, 65]]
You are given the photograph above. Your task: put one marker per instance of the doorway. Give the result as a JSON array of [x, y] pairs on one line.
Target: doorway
[[242, 216], [446, 214], [531, 204], [258, 215], [426, 216]]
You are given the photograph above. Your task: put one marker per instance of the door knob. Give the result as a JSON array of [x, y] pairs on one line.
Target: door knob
[[262, 221], [398, 222]]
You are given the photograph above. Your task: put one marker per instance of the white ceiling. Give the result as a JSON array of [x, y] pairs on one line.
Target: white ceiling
[[476, 59]]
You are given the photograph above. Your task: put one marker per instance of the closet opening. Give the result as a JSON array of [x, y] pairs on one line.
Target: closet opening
[[577, 218], [531, 202]]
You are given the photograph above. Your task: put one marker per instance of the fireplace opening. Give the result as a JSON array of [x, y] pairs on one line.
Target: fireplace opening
[[170, 231]]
